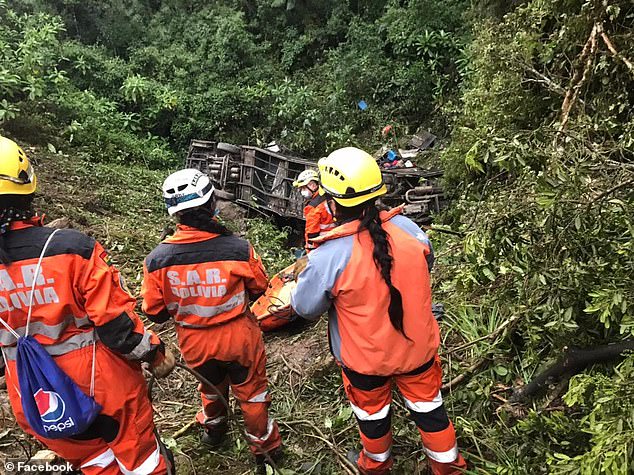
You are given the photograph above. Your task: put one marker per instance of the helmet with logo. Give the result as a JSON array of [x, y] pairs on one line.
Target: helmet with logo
[[305, 177], [351, 176], [186, 189], [16, 173]]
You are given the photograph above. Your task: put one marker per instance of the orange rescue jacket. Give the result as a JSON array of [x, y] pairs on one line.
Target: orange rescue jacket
[[342, 278], [78, 298], [200, 278], [318, 220]]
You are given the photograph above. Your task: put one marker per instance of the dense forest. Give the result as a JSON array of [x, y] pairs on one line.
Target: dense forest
[[533, 103]]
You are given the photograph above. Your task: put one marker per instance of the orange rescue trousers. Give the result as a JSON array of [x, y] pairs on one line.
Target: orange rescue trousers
[[232, 354], [121, 440], [370, 398]]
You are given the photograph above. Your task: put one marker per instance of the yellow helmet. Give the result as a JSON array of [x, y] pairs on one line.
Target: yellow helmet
[[16, 174], [305, 177], [351, 176]]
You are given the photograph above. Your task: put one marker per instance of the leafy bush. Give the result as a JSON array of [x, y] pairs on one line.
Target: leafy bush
[[224, 70], [609, 420], [543, 180]]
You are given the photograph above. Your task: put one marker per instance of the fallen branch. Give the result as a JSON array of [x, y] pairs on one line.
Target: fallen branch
[[184, 429], [611, 190], [443, 230], [613, 50], [573, 361], [462, 376], [350, 468], [579, 78], [545, 80], [291, 368], [491, 336]]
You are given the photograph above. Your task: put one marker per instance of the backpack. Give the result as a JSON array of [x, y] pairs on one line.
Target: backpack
[[54, 406]]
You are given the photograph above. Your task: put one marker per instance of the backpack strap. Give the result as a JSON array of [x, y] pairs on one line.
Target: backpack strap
[[36, 275], [28, 318], [9, 329], [92, 370]]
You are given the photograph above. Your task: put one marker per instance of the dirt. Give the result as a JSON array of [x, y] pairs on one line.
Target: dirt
[[302, 350]]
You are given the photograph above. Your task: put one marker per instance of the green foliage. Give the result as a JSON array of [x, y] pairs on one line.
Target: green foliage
[[35, 79], [270, 243], [248, 71], [548, 216], [609, 420]]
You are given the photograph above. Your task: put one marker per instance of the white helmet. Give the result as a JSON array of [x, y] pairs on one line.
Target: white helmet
[[186, 189], [305, 177]]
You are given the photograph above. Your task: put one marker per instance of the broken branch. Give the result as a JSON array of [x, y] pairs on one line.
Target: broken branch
[[573, 361], [579, 77], [613, 50], [491, 336], [462, 376]]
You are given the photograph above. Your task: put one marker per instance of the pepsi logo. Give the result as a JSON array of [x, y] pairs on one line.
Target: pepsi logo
[[50, 405]]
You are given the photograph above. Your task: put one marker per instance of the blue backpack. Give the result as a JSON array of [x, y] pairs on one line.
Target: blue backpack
[[54, 406]]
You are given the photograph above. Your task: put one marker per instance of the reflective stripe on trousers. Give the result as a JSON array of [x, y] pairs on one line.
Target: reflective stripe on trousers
[[259, 397], [269, 431], [106, 458], [383, 457]]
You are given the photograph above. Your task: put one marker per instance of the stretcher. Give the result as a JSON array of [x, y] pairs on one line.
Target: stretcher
[[273, 309]]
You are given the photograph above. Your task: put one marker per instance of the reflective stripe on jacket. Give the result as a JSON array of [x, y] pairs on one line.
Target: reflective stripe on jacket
[[342, 278], [318, 220], [200, 278], [78, 295]]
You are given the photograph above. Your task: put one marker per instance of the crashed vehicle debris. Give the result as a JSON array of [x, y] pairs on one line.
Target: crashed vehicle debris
[[261, 179]]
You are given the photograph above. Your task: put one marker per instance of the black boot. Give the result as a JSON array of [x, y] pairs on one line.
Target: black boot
[[276, 455], [212, 438], [353, 457]]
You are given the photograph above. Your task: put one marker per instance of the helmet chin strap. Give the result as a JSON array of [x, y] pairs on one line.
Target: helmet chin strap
[[332, 207]]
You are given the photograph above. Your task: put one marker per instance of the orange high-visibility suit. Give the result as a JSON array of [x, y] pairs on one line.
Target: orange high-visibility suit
[[342, 278], [319, 220], [203, 281], [79, 302]]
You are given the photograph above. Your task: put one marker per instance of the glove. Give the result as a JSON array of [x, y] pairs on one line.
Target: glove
[[165, 365]]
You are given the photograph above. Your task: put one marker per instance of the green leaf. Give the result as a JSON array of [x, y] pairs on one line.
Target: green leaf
[[488, 273], [501, 370], [328, 423]]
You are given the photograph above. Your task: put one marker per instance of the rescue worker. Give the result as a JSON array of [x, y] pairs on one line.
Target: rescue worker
[[372, 276], [85, 320], [317, 215], [203, 277]]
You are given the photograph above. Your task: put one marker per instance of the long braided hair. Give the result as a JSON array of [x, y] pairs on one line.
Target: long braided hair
[[202, 218], [368, 214], [12, 208]]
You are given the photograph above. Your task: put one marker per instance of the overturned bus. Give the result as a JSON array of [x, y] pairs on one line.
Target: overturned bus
[[261, 179]]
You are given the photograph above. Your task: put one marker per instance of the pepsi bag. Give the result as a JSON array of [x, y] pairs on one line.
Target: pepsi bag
[[54, 406]]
